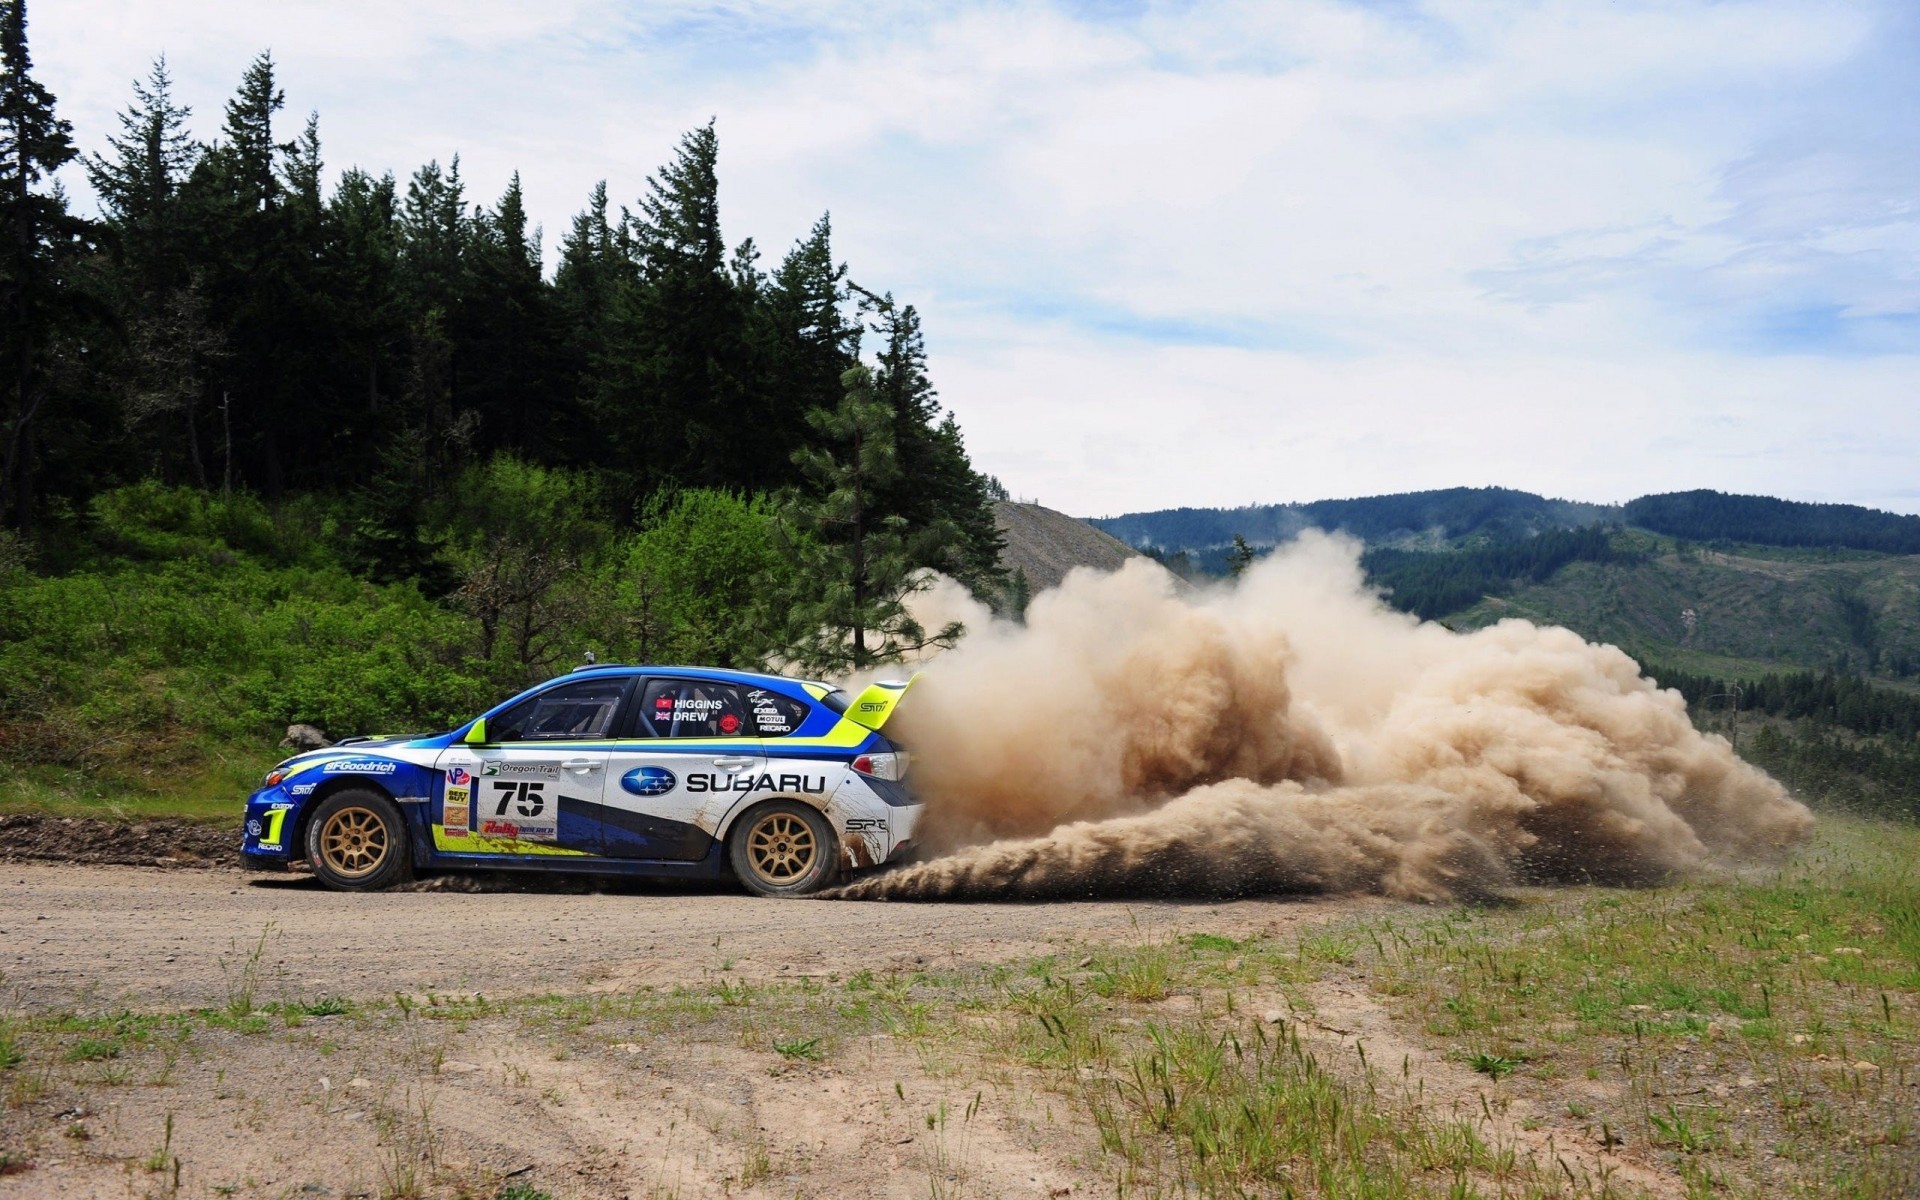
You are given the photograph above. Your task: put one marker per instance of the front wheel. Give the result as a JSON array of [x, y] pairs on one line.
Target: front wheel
[[783, 848], [357, 842]]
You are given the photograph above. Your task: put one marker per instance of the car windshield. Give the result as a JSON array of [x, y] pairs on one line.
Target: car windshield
[[575, 710]]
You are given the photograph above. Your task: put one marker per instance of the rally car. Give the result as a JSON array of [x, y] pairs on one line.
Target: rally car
[[654, 771]]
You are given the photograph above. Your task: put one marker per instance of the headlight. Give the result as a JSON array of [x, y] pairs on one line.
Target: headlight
[[274, 777]]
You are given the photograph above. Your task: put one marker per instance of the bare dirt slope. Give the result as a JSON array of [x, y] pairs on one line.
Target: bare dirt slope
[[1046, 544]]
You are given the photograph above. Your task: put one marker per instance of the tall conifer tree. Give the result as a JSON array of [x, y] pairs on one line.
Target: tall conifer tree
[[139, 185], [40, 242]]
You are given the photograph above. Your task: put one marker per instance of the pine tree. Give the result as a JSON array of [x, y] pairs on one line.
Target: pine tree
[[506, 327], [41, 240], [237, 204], [682, 334], [1240, 557], [803, 344], [937, 486], [139, 187], [861, 559], [434, 239], [363, 273]]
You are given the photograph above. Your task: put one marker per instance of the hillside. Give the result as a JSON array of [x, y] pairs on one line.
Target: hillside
[[1431, 519], [1737, 610], [1452, 517], [1044, 545]]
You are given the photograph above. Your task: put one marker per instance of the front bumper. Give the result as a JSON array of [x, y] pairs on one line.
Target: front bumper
[[266, 833]]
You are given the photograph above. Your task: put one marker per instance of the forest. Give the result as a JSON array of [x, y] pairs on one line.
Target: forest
[[1706, 516], [1431, 585], [280, 443], [1831, 735]]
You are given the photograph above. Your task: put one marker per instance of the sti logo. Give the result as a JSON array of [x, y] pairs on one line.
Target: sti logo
[[648, 781]]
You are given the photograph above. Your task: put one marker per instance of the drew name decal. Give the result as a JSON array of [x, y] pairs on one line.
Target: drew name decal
[[756, 783]]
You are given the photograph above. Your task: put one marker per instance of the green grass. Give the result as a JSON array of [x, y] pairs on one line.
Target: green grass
[[211, 789], [1804, 983]]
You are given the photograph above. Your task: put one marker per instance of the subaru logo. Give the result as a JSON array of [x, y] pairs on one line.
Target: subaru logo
[[648, 781]]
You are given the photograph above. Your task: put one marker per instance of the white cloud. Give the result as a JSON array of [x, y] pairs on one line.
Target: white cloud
[[1430, 243]]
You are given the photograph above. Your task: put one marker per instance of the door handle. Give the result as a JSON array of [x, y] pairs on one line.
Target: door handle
[[732, 762], [581, 764]]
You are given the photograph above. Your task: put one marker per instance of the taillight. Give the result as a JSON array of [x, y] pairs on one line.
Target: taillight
[[882, 766]]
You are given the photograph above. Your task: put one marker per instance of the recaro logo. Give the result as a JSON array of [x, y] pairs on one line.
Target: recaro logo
[[648, 781]]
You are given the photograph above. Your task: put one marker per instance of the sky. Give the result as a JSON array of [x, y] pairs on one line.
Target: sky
[[1220, 253]]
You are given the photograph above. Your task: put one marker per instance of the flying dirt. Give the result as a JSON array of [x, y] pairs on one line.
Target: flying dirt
[[1291, 733]]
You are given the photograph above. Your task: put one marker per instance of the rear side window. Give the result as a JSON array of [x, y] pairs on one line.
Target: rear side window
[[774, 715], [693, 708], [571, 711], [836, 700]]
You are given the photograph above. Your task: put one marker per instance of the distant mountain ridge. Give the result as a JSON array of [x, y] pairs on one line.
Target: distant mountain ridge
[[1451, 517]]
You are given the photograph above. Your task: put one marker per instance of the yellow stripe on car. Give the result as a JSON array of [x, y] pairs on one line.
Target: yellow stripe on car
[[474, 843]]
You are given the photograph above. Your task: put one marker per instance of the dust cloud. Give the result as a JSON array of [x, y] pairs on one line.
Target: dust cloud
[[1293, 734]]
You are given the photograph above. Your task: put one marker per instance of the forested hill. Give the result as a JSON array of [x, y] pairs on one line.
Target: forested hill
[[1439, 519], [284, 443], [1443, 515], [1762, 520], [244, 318]]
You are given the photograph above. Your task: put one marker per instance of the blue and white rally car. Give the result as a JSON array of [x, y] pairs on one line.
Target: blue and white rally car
[[654, 771]]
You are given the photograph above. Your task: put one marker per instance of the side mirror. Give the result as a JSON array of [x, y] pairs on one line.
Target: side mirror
[[477, 736]]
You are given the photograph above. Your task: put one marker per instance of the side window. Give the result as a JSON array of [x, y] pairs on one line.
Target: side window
[[571, 711], [774, 715], [683, 708]]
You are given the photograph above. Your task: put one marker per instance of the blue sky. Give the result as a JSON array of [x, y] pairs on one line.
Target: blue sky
[[1224, 253]]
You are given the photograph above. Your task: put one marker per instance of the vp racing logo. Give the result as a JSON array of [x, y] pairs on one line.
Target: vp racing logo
[[648, 781]]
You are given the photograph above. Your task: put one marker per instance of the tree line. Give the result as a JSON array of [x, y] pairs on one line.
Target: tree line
[[1431, 584], [235, 323], [1827, 698], [1708, 516]]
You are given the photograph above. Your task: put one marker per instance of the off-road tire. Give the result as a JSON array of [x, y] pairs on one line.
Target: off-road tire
[[357, 842], [783, 848]]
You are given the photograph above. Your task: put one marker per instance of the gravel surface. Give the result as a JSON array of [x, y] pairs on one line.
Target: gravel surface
[[99, 937]]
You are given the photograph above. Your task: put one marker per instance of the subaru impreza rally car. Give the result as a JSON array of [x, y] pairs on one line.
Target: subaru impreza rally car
[[657, 771]]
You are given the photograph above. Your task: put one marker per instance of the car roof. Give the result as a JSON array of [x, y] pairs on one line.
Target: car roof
[[718, 674]]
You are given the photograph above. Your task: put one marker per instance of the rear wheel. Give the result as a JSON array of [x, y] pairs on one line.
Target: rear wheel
[[357, 842], [783, 848]]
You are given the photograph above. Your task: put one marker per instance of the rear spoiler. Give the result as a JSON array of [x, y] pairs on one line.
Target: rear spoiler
[[873, 706]]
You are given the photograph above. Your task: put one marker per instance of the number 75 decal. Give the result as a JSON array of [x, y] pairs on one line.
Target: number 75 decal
[[523, 794]]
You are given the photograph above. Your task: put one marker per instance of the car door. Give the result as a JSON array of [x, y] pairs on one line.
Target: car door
[[535, 786], [690, 753]]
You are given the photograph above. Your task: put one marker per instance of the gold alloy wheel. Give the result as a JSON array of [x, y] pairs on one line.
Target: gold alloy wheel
[[354, 841], [781, 848]]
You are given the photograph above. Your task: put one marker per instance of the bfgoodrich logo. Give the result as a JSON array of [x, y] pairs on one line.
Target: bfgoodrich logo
[[648, 781]]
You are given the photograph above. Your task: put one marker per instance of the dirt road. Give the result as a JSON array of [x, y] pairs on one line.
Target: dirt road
[[97, 937], [154, 1052]]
